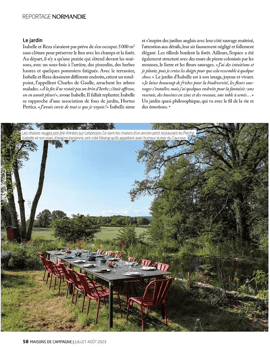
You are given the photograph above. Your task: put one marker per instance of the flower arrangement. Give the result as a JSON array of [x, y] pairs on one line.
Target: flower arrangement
[[111, 264]]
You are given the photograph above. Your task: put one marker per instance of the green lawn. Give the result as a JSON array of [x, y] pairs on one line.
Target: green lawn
[[111, 232], [108, 233], [29, 305], [37, 232]]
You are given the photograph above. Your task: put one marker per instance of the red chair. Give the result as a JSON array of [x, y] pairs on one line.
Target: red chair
[[145, 262], [109, 253], [93, 294], [69, 279], [139, 283], [154, 295], [161, 266], [77, 285], [130, 259], [118, 255], [56, 270], [46, 270], [99, 251]]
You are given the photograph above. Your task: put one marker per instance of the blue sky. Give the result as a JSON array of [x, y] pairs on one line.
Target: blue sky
[[88, 177]]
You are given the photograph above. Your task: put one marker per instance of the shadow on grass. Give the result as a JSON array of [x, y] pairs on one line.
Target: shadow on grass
[[193, 310], [15, 280], [187, 310]]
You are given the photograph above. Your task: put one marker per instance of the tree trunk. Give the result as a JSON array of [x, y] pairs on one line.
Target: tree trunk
[[241, 218], [39, 189], [11, 201], [10, 217], [5, 216], [20, 200]]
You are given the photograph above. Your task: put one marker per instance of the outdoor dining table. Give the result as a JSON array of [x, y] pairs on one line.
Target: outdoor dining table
[[120, 273]]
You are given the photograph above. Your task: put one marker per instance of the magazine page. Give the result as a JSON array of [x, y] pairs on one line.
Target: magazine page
[[134, 142]]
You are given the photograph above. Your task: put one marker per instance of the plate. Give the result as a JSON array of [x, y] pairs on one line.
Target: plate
[[68, 257], [132, 273], [58, 253], [131, 263], [148, 268], [79, 261]]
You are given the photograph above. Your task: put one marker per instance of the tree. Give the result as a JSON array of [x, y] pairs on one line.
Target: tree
[[75, 228], [58, 214], [177, 203], [128, 234], [119, 220], [15, 154], [12, 154], [228, 156], [44, 218], [142, 221]]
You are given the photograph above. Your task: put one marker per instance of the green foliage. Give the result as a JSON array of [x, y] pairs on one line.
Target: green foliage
[[70, 230], [106, 244], [119, 220], [128, 235], [9, 151], [142, 221], [215, 182], [206, 245], [58, 214], [44, 218], [122, 220], [25, 255], [198, 325], [143, 251], [260, 278]]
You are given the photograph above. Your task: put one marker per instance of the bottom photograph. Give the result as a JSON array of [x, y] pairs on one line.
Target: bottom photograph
[[158, 235]]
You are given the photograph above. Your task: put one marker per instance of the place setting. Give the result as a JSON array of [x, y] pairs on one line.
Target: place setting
[[148, 268], [132, 273]]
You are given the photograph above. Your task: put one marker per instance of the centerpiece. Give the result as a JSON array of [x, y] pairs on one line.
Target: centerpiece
[[111, 264]]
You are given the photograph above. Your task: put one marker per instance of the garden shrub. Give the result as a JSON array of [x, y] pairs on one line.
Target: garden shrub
[[127, 235], [25, 255], [106, 244], [73, 229]]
